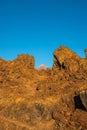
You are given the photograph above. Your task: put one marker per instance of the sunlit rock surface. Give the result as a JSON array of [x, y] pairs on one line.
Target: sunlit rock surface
[[44, 100]]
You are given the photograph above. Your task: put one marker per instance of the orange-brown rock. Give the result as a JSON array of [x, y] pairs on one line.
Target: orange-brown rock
[[65, 59], [45, 100], [69, 62]]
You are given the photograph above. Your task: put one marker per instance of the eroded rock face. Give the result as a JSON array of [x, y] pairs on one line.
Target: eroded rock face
[[43, 100], [70, 63], [65, 59]]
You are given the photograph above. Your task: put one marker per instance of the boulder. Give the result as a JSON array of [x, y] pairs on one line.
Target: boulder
[[65, 59]]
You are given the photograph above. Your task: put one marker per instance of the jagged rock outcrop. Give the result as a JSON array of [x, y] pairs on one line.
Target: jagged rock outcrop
[[25, 60], [52, 99], [65, 59], [70, 63], [12, 71]]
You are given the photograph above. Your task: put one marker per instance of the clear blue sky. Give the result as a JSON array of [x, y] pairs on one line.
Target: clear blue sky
[[38, 27]]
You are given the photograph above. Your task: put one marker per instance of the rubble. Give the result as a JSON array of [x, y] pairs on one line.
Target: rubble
[[51, 99]]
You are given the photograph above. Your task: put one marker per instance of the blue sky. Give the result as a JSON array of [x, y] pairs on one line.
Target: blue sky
[[38, 27]]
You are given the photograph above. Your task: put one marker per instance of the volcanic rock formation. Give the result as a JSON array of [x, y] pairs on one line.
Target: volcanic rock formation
[[52, 99]]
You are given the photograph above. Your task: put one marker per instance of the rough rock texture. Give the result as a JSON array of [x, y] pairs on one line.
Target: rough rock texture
[[43, 100], [69, 62]]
